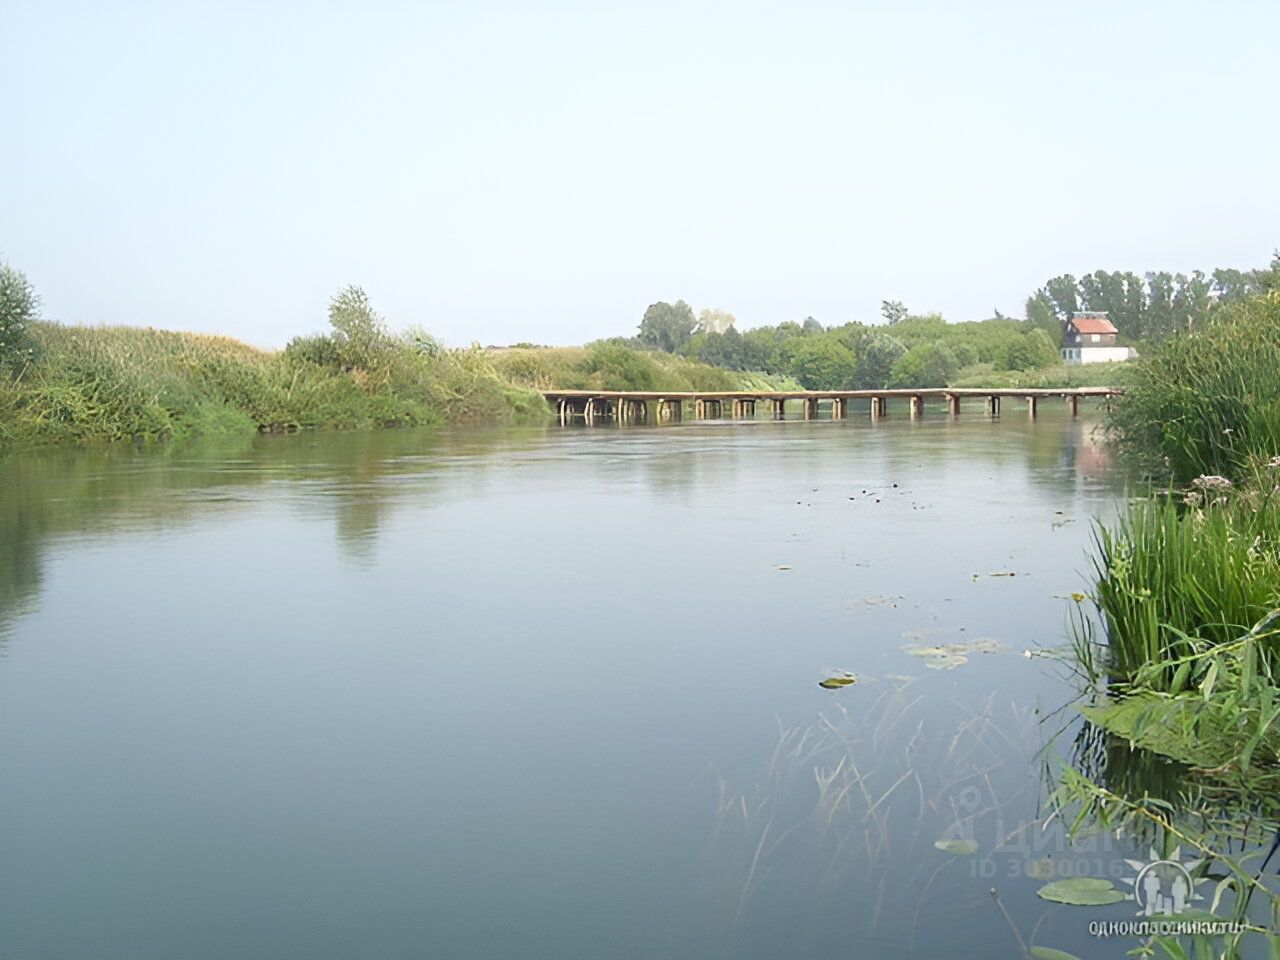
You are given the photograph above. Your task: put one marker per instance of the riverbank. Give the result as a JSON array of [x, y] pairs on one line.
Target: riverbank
[[87, 384]]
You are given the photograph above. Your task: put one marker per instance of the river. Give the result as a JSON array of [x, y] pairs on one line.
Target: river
[[543, 692]]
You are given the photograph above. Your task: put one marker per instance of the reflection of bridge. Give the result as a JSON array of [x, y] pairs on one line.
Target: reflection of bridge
[[633, 406]]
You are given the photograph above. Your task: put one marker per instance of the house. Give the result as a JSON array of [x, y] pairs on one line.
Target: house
[[1091, 338]]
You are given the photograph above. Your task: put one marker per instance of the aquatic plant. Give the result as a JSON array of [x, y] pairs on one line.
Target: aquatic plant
[[1207, 401], [1172, 579]]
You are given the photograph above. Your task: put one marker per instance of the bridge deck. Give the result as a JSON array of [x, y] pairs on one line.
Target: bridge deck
[[632, 406], [928, 392]]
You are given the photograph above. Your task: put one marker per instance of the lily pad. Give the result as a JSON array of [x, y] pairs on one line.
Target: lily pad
[[948, 656], [837, 681], [1082, 892], [961, 848]]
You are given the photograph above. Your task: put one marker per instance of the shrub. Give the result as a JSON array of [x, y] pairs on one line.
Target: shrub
[[18, 306], [926, 365]]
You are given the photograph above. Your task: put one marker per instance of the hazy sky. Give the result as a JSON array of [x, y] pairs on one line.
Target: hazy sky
[[528, 171]]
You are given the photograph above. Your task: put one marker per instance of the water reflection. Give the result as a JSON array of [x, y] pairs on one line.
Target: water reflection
[[384, 688]]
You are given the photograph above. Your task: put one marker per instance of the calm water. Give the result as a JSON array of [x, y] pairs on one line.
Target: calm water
[[537, 693]]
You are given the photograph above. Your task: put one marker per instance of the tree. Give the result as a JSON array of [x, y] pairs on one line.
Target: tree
[[18, 305], [667, 326], [893, 311], [1064, 293], [876, 353], [1030, 350], [821, 363], [1041, 315], [811, 326], [925, 365], [359, 332]]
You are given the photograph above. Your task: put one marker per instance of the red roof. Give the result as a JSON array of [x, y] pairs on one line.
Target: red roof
[[1093, 325]]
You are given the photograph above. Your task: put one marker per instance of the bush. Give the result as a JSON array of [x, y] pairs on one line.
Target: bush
[[18, 306], [317, 348], [926, 365]]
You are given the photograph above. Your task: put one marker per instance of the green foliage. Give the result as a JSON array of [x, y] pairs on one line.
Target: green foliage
[[359, 333], [876, 354], [318, 348], [1147, 308], [112, 383], [893, 311], [18, 305], [926, 365], [820, 363], [617, 365], [1174, 576], [1060, 375], [667, 326], [1208, 401], [1029, 351]]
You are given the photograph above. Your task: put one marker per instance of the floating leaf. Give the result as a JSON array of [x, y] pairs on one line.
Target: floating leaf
[[845, 679], [1048, 953], [948, 656], [1082, 892], [961, 848]]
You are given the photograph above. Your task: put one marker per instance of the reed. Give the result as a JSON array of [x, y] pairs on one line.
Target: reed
[[1171, 574], [113, 383], [1208, 401]]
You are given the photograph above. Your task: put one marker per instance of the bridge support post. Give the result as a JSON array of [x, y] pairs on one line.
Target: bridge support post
[[877, 409], [993, 406], [837, 408], [953, 405], [810, 408], [917, 407], [1031, 407], [1073, 403], [779, 408]]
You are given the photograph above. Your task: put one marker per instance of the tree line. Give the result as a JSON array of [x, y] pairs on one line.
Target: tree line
[[924, 350]]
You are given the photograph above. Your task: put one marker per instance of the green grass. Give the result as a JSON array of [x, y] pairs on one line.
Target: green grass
[[117, 383], [1208, 402], [1061, 375], [1172, 578], [114, 383]]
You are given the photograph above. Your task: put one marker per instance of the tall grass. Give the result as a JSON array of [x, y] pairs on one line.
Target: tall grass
[[112, 383], [1173, 578], [1201, 565], [1208, 401]]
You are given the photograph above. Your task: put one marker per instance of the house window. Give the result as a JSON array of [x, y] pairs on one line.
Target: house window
[[1096, 337]]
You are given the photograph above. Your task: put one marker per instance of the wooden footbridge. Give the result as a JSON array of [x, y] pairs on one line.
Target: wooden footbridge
[[644, 406]]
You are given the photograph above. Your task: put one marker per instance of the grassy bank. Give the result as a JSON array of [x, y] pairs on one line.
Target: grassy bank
[[113, 383], [1199, 560], [1059, 375], [85, 384]]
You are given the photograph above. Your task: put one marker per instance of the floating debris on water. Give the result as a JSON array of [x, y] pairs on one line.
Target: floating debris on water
[[998, 573], [879, 600], [961, 848], [948, 656], [838, 680], [782, 566]]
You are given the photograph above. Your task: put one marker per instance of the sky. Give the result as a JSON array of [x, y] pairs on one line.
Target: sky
[[505, 172]]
